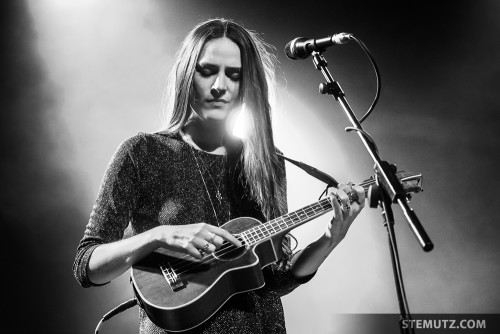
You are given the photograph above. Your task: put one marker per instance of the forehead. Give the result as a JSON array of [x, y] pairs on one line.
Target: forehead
[[221, 51]]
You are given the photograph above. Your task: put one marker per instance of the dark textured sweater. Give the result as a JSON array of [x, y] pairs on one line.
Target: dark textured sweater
[[156, 179]]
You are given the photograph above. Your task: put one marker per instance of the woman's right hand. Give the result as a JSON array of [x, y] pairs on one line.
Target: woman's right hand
[[196, 240], [109, 261]]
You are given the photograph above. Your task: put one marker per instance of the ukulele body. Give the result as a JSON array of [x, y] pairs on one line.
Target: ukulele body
[[180, 293]]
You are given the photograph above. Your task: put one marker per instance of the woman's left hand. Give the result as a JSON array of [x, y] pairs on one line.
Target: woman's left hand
[[347, 202], [352, 201]]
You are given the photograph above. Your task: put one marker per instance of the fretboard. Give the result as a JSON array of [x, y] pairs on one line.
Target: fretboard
[[410, 183], [286, 222]]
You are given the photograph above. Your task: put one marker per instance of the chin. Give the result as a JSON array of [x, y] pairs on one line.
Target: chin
[[216, 114]]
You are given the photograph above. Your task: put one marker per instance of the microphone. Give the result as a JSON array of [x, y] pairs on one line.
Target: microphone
[[302, 47]]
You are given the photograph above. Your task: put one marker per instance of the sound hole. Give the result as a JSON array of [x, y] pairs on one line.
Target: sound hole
[[230, 252]]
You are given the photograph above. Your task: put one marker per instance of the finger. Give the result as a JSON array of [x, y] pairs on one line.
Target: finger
[[360, 192], [225, 235], [339, 195], [344, 201], [351, 193], [356, 195], [355, 209], [345, 187], [190, 249], [204, 247], [214, 239], [337, 210]]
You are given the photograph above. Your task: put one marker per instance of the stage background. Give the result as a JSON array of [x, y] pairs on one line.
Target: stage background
[[79, 77]]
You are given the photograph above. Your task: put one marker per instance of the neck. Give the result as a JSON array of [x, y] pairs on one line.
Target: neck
[[207, 136]]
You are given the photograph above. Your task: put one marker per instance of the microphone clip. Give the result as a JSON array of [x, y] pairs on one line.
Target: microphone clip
[[330, 89]]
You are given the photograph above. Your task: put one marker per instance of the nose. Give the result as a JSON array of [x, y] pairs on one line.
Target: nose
[[219, 86]]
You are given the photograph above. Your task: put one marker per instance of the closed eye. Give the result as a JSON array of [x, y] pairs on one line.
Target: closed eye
[[206, 70], [233, 73]]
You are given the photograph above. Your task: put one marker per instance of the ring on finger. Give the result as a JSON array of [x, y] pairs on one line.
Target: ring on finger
[[206, 247], [201, 252]]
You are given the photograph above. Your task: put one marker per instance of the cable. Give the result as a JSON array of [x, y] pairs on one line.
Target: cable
[[366, 135], [323, 193], [377, 75], [120, 308]]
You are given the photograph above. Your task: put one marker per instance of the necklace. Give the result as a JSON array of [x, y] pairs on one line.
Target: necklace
[[206, 169], [217, 185]]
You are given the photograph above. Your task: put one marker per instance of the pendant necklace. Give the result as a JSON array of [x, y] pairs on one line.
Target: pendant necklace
[[218, 194]]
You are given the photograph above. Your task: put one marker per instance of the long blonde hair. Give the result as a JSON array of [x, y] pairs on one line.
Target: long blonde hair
[[262, 170]]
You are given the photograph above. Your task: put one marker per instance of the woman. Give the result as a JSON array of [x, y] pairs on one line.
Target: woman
[[173, 189]]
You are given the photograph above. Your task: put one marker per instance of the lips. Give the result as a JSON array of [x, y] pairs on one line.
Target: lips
[[217, 101]]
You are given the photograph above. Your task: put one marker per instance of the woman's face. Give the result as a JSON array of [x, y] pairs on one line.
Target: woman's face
[[217, 79]]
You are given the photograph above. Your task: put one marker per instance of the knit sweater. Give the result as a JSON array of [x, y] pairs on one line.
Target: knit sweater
[[158, 179]]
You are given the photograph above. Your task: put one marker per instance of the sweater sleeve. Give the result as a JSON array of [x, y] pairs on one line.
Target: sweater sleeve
[[112, 209], [283, 282]]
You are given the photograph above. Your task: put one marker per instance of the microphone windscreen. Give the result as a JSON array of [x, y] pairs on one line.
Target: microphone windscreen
[[288, 50]]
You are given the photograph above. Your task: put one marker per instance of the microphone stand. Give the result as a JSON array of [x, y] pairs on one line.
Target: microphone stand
[[391, 191]]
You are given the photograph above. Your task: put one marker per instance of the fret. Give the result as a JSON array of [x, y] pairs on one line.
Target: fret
[[247, 237], [286, 222], [267, 230], [325, 204], [316, 207], [259, 232], [263, 230], [243, 236], [295, 218], [274, 226], [300, 213], [311, 212], [251, 236], [280, 224], [269, 227], [283, 223]]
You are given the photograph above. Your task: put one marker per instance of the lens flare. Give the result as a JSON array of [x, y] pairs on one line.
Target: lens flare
[[240, 122]]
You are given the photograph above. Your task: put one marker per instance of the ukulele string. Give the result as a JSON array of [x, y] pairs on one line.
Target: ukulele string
[[184, 264], [189, 264], [186, 258], [185, 261]]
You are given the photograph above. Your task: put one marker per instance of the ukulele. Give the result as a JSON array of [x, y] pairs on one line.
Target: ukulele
[[180, 293]]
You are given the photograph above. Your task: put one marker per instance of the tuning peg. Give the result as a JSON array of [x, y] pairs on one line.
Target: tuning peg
[[374, 196]]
